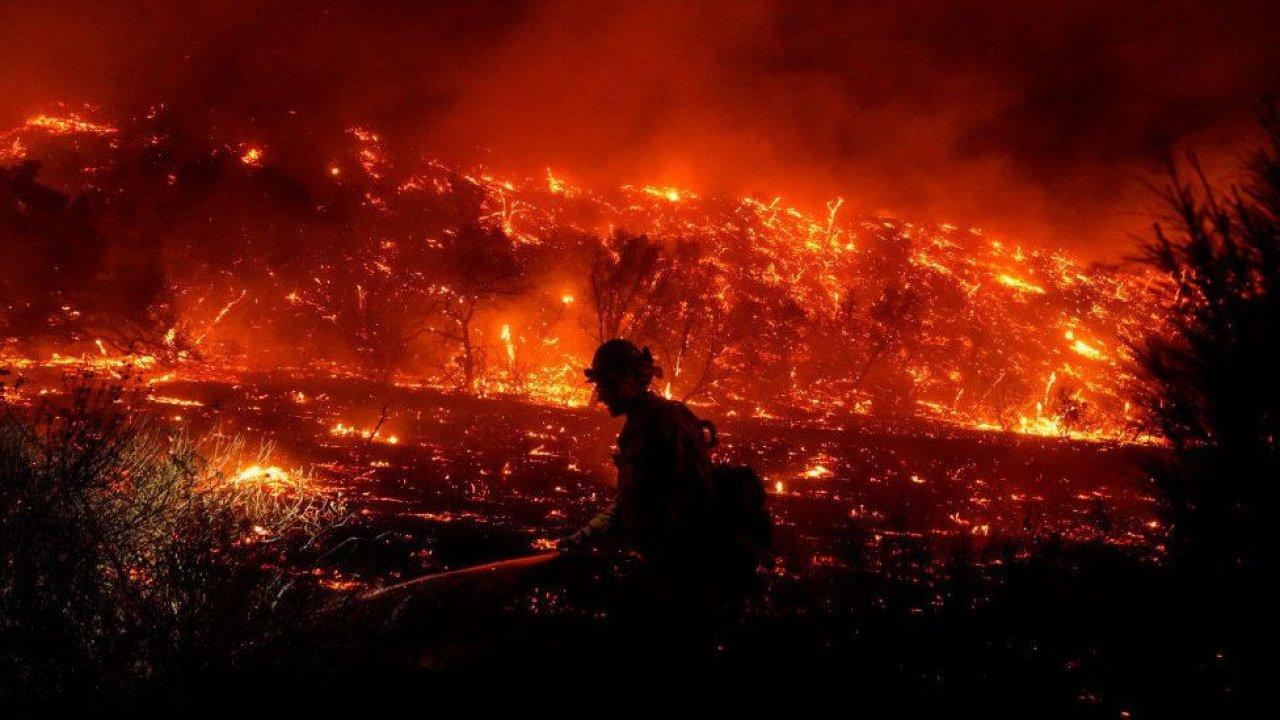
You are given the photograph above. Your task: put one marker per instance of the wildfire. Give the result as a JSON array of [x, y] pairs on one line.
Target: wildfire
[[12, 147], [759, 280], [68, 124]]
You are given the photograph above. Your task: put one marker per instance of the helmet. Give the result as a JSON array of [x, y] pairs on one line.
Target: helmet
[[618, 358]]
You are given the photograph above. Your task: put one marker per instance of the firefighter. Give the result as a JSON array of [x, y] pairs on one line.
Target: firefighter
[[666, 606], [663, 508]]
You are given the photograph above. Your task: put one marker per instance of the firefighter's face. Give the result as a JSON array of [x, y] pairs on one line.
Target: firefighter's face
[[617, 394]]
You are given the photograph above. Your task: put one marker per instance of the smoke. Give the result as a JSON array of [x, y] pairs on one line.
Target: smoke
[[1039, 120]]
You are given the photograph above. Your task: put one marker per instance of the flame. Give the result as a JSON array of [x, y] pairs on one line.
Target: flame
[[1087, 350], [68, 124], [174, 401], [755, 250], [1019, 284], [271, 477], [506, 340], [672, 194], [817, 472], [557, 185]]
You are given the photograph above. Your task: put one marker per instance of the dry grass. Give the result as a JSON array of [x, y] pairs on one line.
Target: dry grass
[[134, 558]]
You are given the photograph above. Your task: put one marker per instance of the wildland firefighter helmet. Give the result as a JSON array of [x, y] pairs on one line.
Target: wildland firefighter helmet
[[617, 359]]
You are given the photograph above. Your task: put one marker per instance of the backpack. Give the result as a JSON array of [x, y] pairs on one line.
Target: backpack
[[738, 503], [740, 510]]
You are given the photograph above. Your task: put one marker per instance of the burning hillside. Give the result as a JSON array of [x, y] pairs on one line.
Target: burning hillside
[[132, 242]]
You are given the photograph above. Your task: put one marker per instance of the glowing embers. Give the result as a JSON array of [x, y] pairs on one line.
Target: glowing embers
[[560, 385], [1019, 284], [68, 124], [818, 470], [558, 186], [1086, 350], [370, 155], [342, 430], [973, 330], [1081, 347], [181, 402], [672, 194]]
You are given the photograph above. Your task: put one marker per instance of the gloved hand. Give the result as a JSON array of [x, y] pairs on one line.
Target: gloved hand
[[591, 536], [575, 543]]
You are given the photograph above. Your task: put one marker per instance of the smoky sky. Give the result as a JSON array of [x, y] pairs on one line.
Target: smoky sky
[[1033, 119]]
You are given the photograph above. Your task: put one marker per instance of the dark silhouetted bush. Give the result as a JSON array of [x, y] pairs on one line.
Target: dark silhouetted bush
[[1211, 381], [131, 560]]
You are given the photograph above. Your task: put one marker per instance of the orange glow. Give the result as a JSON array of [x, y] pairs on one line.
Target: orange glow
[[1019, 284], [818, 472], [343, 430], [69, 124], [669, 193], [268, 477], [909, 316]]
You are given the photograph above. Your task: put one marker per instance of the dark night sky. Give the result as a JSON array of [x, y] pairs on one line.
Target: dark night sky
[[1036, 119]]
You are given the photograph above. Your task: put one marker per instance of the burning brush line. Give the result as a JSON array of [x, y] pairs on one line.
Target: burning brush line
[[354, 262]]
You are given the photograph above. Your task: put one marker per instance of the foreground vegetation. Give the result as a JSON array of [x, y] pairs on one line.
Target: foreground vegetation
[[135, 560], [1212, 386], [141, 565]]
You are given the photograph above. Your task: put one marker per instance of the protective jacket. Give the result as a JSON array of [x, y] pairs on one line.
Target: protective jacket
[[663, 508]]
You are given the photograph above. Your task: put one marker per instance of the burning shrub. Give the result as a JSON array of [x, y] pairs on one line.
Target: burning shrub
[[129, 557]]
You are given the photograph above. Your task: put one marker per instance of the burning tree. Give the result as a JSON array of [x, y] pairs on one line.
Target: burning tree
[[889, 333], [687, 321], [377, 299], [477, 266], [386, 275], [627, 270]]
